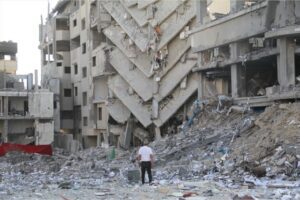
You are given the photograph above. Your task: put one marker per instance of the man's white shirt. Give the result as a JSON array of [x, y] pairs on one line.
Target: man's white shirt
[[145, 153]]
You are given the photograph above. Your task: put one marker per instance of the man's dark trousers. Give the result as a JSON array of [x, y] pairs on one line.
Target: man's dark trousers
[[146, 166]]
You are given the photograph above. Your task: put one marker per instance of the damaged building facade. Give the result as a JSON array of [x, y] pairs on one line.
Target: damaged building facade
[[26, 112], [122, 68], [251, 53], [125, 70]]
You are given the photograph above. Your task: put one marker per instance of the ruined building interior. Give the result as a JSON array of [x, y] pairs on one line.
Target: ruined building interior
[[26, 112], [128, 69]]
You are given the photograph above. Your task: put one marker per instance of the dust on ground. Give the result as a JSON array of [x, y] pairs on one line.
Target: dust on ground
[[254, 154]]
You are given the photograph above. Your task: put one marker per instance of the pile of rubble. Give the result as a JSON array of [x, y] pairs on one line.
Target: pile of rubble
[[232, 147], [236, 149]]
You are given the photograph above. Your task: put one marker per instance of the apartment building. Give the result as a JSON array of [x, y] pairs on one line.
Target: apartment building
[[66, 49], [121, 69], [26, 112]]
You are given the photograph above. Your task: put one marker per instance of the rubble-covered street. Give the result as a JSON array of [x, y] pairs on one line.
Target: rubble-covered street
[[251, 155]]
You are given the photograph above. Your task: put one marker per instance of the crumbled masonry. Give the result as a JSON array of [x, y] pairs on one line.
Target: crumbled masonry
[[240, 152]]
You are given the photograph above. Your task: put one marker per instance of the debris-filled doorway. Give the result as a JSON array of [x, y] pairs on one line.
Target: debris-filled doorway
[[260, 75]]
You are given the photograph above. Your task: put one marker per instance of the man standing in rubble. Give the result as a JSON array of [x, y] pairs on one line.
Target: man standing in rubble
[[145, 157]]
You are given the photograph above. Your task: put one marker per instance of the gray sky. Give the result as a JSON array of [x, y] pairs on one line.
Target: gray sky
[[19, 22]]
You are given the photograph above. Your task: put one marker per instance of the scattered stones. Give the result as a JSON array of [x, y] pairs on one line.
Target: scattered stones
[[240, 150]]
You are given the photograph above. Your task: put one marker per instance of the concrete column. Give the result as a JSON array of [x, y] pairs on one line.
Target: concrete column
[[157, 133], [238, 72], [238, 81], [155, 109], [236, 5], [37, 135], [99, 139], [5, 132], [29, 81], [105, 143], [201, 8], [5, 106], [286, 61], [5, 127], [200, 85], [36, 77]]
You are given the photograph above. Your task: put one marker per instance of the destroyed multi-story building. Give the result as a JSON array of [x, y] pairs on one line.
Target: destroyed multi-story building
[[123, 69], [26, 112], [121, 66], [251, 53]]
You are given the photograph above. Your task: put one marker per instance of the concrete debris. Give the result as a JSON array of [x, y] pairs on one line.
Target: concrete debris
[[201, 163]]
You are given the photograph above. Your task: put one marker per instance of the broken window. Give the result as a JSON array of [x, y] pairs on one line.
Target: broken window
[[84, 98], [76, 91], [94, 61], [84, 72], [67, 92], [83, 48], [26, 109], [74, 23], [100, 113], [67, 70], [54, 104]]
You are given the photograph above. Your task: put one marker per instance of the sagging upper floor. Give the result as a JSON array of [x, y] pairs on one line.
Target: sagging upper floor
[[253, 50]]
